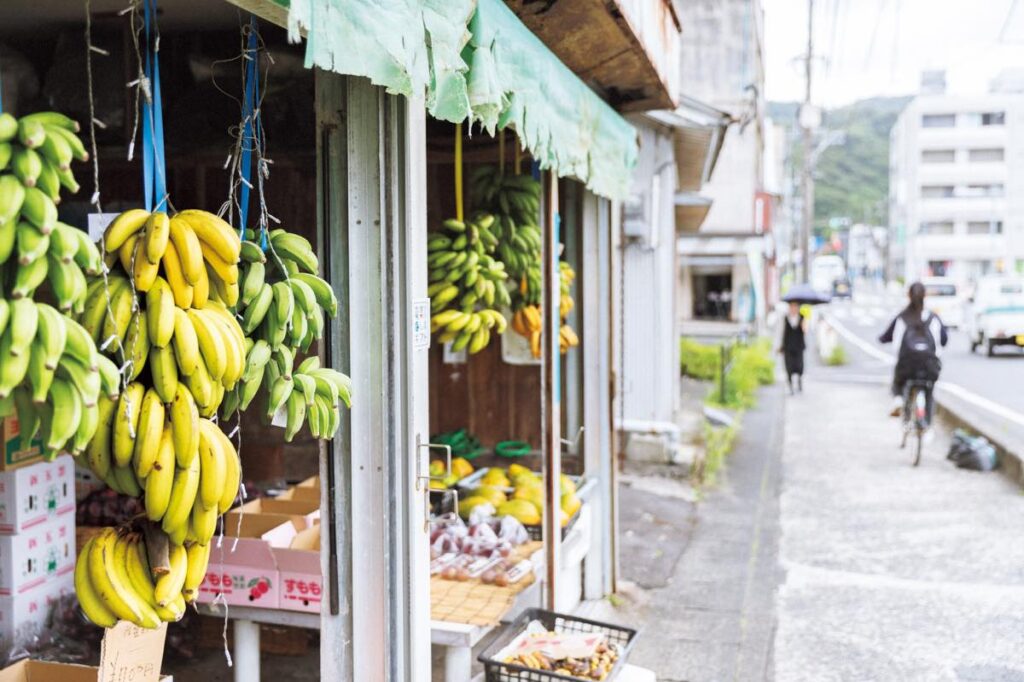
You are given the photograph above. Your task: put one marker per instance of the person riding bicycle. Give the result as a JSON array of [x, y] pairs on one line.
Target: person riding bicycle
[[919, 335]]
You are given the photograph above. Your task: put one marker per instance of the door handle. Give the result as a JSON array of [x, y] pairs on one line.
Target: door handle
[[421, 478]]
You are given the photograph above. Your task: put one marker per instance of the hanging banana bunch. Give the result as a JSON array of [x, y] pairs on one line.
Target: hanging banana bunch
[[51, 375], [515, 202], [138, 576], [467, 284], [282, 305]]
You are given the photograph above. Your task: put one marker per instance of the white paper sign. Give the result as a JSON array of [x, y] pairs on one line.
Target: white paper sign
[[421, 323], [98, 222]]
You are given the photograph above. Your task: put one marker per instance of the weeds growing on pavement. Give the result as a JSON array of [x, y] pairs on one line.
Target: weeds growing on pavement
[[837, 357], [718, 442]]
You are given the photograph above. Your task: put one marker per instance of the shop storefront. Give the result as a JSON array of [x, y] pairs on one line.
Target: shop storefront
[[375, 131]]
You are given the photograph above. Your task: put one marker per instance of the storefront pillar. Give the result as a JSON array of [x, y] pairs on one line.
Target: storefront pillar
[[375, 620]]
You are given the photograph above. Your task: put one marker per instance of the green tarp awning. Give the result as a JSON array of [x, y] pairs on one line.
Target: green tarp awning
[[475, 61]]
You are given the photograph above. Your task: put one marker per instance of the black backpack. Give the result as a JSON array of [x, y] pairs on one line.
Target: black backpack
[[918, 348]]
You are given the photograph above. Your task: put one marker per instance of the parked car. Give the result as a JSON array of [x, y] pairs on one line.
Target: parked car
[[996, 314], [842, 288], [943, 297]]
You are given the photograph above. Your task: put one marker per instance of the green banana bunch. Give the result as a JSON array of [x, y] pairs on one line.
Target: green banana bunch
[[467, 283], [282, 306], [515, 201], [308, 393]]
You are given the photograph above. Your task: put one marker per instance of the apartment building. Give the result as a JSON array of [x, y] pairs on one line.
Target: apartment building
[[956, 187]]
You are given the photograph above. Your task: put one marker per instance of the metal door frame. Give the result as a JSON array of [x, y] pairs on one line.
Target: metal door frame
[[372, 229]]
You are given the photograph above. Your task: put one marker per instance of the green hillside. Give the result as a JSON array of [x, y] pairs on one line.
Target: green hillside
[[853, 178]]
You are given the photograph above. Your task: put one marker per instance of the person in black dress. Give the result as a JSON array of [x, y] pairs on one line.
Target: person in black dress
[[793, 346]]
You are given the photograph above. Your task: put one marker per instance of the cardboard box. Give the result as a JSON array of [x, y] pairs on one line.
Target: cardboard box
[[242, 570], [128, 653], [301, 494], [297, 554], [38, 554], [35, 493], [23, 615], [305, 513], [15, 453]]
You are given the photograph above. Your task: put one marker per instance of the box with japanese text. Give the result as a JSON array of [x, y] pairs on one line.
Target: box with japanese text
[[23, 615], [297, 553], [242, 570], [38, 554], [35, 493]]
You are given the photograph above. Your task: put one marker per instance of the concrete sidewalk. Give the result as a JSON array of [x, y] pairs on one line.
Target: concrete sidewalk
[[705, 573], [892, 572]]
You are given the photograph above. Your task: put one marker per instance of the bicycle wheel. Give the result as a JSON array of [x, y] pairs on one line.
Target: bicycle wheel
[[920, 443]]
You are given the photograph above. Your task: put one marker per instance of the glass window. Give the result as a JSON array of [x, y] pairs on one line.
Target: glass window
[[995, 154], [936, 191], [995, 118], [938, 120], [993, 190], [939, 289], [938, 156], [937, 227], [985, 227]]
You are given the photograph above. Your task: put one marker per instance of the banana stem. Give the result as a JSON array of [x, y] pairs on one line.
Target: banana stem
[[158, 549], [459, 213]]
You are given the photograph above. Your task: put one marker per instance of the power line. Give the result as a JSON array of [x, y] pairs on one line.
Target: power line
[[874, 33], [1006, 21]]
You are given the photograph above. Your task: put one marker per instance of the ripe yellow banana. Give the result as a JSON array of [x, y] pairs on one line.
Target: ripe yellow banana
[[95, 609], [183, 496], [163, 369], [143, 272], [215, 234], [232, 473], [195, 573], [188, 247], [169, 584], [212, 465], [204, 523], [180, 288], [226, 271], [122, 227], [122, 548], [201, 290], [149, 434], [158, 233], [160, 312], [184, 427], [186, 344], [161, 478], [106, 580], [211, 344], [126, 421]]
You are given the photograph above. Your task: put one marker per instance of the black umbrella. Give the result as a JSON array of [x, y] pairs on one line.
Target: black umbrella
[[805, 294]]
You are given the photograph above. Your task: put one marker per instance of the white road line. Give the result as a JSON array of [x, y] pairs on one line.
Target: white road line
[[947, 386]]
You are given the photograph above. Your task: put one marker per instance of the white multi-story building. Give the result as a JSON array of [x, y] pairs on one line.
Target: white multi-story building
[[956, 188]]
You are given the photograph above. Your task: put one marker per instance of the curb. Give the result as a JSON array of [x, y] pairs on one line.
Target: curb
[[1011, 459]]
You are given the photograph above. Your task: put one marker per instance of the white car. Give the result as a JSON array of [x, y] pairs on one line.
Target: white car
[[996, 316], [942, 297]]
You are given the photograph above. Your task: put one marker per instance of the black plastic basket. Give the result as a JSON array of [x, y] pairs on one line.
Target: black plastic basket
[[499, 671]]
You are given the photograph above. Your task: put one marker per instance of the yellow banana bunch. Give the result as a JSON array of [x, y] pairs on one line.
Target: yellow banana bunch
[[116, 578], [196, 252], [467, 284]]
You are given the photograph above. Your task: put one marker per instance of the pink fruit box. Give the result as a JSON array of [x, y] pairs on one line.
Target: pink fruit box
[[268, 563]]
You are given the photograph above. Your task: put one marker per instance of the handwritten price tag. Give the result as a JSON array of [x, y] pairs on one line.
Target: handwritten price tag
[[132, 654]]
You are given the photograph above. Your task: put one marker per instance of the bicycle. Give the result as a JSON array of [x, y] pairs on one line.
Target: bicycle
[[917, 412]]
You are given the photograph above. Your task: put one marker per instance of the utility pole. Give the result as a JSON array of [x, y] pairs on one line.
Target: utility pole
[[806, 122]]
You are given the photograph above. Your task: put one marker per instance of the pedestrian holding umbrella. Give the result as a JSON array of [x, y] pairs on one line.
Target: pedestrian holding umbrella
[[794, 328]]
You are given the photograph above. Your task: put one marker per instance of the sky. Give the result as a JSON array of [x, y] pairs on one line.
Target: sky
[[867, 48]]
